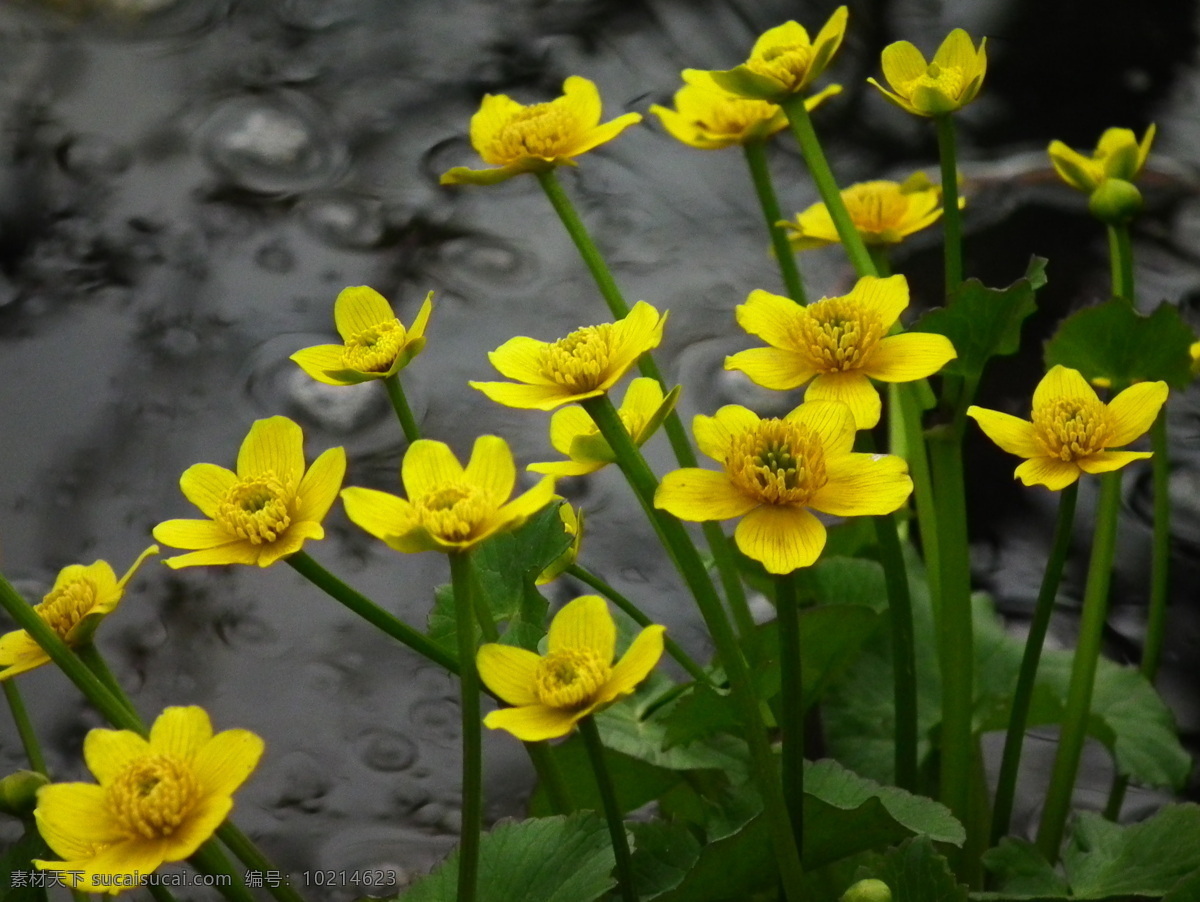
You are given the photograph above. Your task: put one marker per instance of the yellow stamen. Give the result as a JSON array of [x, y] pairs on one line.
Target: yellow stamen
[[580, 361], [777, 462], [1072, 428], [375, 349], [152, 796], [256, 508], [838, 334], [788, 63], [876, 208], [63, 608], [946, 79], [452, 511], [541, 130], [570, 678]]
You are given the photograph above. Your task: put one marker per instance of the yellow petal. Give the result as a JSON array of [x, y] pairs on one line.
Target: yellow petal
[[19, 653], [582, 98], [192, 534], [108, 752], [133, 568], [899, 101], [495, 111], [202, 821], [852, 389], [319, 360], [1107, 461], [773, 318], [74, 817], [863, 485], [602, 134], [635, 665], [533, 723], [902, 62], [531, 397], [700, 495], [509, 672], [1078, 171], [1144, 146], [461, 175], [206, 486], [832, 421], [813, 228], [238, 552], [520, 358], [885, 298], [958, 50], [360, 308], [1051, 472], [275, 445], [381, 514], [1062, 383], [566, 424], [491, 468], [633, 336], [562, 468], [180, 731], [227, 760], [1012, 434], [320, 485], [428, 466], [782, 538], [715, 434], [584, 623], [908, 357], [525, 505], [95, 872], [827, 42], [289, 543], [642, 397], [774, 368], [1133, 411]]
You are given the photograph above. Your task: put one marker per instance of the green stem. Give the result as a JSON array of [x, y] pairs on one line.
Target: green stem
[[636, 614], [159, 892], [1120, 256], [1023, 694], [209, 859], [951, 215], [307, 567], [904, 651], [756, 159], [472, 730], [244, 849], [612, 810], [95, 662], [879, 256], [918, 467], [1083, 670], [403, 412], [25, 730], [683, 554], [822, 176], [791, 719]]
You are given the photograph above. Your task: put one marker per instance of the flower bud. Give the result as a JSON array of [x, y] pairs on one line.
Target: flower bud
[[1115, 202], [868, 891], [18, 792]]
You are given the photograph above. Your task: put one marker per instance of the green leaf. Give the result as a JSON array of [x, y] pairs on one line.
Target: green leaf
[[1113, 341], [551, 859], [1021, 870], [915, 872], [701, 712], [662, 856], [636, 782], [19, 857], [1147, 859], [983, 322], [844, 580], [622, 728]]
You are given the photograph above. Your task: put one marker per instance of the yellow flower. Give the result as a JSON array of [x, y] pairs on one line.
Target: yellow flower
[[573, 526], [79, 599], [840, 343], [775, 470], [157, 800], [576, 677], [1194, 351], [948, 83], [882, 213], [375, 344], [265, 510], [585, 364], [1072, 429], [449, 508], [708, 117], [574, 434], [536, 138], [1119, 155], [784, 61]]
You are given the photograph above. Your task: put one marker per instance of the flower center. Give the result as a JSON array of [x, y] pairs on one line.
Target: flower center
[[876, 207], [788, 64], [375, 349], [256, 508], [947, 80], [452, 511], [66, 606], [570, 678], [541, 130], [1072, 428], [838, 333], [152, 796], [736, 115], [777, 462], [579, 362]]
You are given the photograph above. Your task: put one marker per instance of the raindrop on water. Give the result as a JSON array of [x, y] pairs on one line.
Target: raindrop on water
[[387, 750], [343, 220]]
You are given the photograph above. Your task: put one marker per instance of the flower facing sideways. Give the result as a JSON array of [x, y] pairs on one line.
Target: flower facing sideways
[[519, 138], [947, 83], [774, 470], [838, 343], [1118, 155], [784, 60], [585, 364], [576, 677], [375, 343], [158, 799], [449, 507], [573, 526], [1072, 429], [79, 599], [263, 512]]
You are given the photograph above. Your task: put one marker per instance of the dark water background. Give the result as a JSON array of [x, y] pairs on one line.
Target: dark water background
[[185, 185]]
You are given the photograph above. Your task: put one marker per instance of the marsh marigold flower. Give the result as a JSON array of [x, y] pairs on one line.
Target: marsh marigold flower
[[79, 599], [838, 343], [1118, 155], [774, 470], [585, 364], [574, 433], [375, 343], [948, 82], [882, 213], [263, 512], [449, 508], [572, 522], [519, 138], [576, 677], [1072, 429], [784, 60], [158, 799]]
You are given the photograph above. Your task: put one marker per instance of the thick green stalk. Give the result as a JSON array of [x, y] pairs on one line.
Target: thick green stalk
[[95, 662], [252, 857], [472, 730], [904, 650], [29, 740], [756, 159], [1083, 670], [791, 720], [210, 859], [951, 215], [917, 455], [1023, 694], [612, 810], [403, 412], [158, 892], [1120, 257], [307, 567]]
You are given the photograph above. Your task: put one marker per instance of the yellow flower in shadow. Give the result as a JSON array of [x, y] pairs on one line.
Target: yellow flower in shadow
[[1118, 155], [158, 799], [263, 512], [375, 344], [519, 138], [573, 526], [839, 344], [79, 599], [449, 508], [1072, 429], [585, 364], [576, 677], [774, 470], [948, 82]]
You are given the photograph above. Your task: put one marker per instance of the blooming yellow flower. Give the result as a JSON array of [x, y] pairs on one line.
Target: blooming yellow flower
[[1194, 351], [375, 344], [573, 526], [882, 212], [585, 364], [1119, 155], [948, 83], [449, 507], [784, 61], [774, 470], [79, 599], [575, 678], [1072, 429], [536, 138], [840, 343], [574, 433], [157, 801], [265, 510]]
